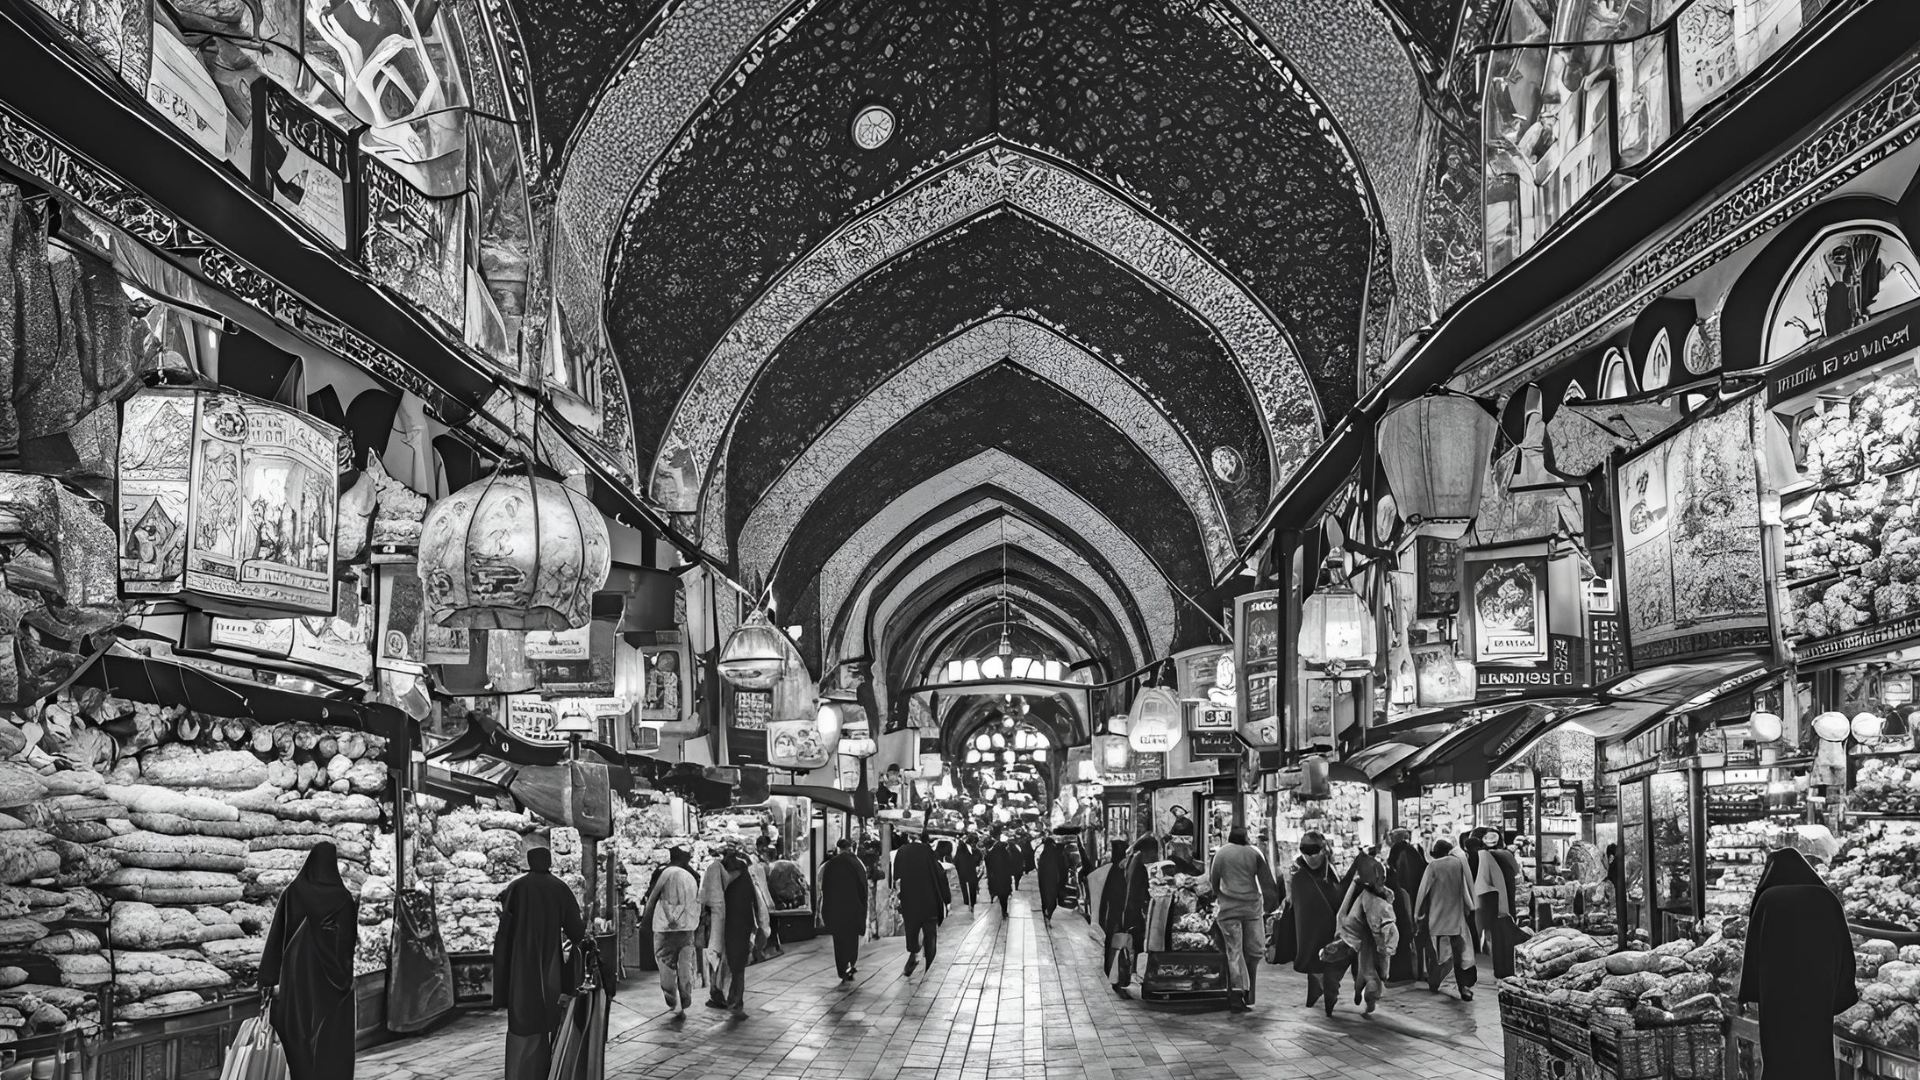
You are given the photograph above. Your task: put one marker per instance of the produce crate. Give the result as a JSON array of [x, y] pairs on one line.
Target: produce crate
[[1526, 1017], [1695, 1051], [1527, 1059], [1186, 976], [1571, 1034]]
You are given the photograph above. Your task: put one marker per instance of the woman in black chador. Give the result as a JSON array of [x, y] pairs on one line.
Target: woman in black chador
[[538, 917], [307, 968], [1799, 967]]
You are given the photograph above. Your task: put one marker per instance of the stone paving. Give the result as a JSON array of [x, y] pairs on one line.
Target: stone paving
[[1012, 1000]]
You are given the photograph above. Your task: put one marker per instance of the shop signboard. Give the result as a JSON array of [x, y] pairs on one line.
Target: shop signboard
[[1606, 649], [1215, 744], [533, 719], [1521, 619], [747, 727], [1148, 767], [1258, 633], [413, 243], [1687, 523], [587, 676], [303, 164], [1437, 565]]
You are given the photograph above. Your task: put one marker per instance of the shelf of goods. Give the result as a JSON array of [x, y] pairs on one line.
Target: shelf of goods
[[142, 849], [787, 885], [1887, 785], [1183, 962], [1583, 899], [1633, 1015], [1876, 873], [1343, 817]]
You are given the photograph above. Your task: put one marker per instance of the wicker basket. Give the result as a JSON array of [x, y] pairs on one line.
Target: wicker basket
[[1526, 1017], [1695, 1051]]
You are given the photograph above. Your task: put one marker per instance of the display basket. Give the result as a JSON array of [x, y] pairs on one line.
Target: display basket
[[1530, 1060], [1571, 1034], [1691, 1051]]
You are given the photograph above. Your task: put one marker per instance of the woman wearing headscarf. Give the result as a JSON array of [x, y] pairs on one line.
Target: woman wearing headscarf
[[538, 917], [1314, 892], [306, 969], [1440, 912], [1405, 867], [1053, 876], [1366, 934], [1113, 912], [1493, 888], [1799, 967]]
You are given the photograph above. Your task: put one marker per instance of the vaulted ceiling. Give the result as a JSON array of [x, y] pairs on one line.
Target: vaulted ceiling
[[1044, 353]]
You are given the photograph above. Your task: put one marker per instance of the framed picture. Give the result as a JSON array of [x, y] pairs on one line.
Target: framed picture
[[665, 692]]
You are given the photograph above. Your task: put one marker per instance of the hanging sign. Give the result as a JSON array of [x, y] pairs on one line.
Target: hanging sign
[[1687, 517], [400, 641], [559, 644], [1258, 624], [1215, 744], [302, 163], [180, 88], [1506, 590], [747, 730], [1441, 677], [1606, 648], [414, 244]]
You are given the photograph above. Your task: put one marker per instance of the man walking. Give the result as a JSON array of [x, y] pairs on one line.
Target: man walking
[[843, 907], [675, 902], [921, 884], [1246, 891], [966, 867], [736, 918], [538, 917], [1003, 865]]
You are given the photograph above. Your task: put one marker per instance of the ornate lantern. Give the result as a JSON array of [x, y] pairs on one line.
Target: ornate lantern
[[513, 553], [754, 654], [1434, 450], [1153, 724], [1336, 632]]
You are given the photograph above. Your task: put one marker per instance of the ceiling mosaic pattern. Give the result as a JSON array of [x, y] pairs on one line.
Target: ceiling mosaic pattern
[[1262, 360], [1146, 593], [1024, 344]]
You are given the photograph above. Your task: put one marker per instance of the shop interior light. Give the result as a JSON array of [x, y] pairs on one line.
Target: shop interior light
[[1765, 726], [828, 721], [1832, 726], [754, 655], [1336, 631], [983, 741], [1867, 726], [973, 757], [992, 668], [1039, 753], [1007, 722], [999, 742]]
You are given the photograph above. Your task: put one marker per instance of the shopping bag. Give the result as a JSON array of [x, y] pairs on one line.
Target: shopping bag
[[580, 1046], [256, 1053], [1281, 943]]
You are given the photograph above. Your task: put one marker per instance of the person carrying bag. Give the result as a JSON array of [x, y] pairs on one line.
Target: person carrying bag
[[256, 1053]]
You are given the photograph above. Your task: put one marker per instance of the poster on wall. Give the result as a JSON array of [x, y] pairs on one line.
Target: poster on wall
[[1441, 677], [303, 164], [1506, 590], [402, 621], [413, 244], [666, 683], [747, 727], [332, 645], [1258, 626], [586, 676], [229, 502], [1688, 524]]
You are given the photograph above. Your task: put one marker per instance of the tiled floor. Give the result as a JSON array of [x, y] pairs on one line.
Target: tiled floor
[[1004, 1001]]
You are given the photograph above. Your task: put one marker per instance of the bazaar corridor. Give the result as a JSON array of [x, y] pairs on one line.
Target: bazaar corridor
[[1012, 1001]]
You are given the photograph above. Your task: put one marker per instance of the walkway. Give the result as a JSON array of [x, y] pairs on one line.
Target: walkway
[[1004, 1001]]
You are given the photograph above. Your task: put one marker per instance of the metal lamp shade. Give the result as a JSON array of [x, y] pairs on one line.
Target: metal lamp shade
[[1153, 724], [754, 655], [513, 553], [1434, 450], [1336, 632]]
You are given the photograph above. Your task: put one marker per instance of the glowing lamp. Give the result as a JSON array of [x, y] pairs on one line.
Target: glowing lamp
[[1153, 724], [1114, 753], [754, 654], [1336, 632]]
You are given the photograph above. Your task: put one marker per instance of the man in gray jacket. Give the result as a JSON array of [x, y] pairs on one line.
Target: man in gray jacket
[[1245, 890]]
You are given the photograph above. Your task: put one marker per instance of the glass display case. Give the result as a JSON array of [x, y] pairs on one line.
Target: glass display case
[[1671, 837], [1633, 849]]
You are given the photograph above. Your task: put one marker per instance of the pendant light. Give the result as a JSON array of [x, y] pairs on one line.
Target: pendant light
[[1832, 727], [1434, 450], [513, 552], [1336, 628], [754, 654]]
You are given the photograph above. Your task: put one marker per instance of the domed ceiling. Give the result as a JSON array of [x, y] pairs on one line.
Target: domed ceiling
[[944, 315]]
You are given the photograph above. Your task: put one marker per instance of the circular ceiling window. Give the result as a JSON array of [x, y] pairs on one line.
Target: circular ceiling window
[[1227, 465], [872, 127]]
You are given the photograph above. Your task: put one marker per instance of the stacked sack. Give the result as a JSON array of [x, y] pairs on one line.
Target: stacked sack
[[468, 858]]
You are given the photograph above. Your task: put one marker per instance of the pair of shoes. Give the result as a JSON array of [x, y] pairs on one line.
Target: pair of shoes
[[1123, 992], [1466, 995], [913, 961], [1236, 1002], [712, 1004], [677, 1014], [739, 1012]]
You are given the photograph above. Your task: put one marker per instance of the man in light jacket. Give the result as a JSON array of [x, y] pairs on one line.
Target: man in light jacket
[[675, 903], [1440, 911], [1246, 891]]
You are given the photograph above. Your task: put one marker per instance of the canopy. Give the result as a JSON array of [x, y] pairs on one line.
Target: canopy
[[1365, 766], [824, 796], [1475, 750]]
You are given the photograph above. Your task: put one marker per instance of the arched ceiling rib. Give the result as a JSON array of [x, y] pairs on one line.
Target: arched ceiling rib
[[1026, 345], [1142, 596], [923, 649], [972, 188]]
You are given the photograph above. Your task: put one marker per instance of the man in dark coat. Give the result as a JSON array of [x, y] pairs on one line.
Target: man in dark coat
[[921, 884], [1003, 866], [1053, 876], [1023, 844], [1112, 904], [1799, 967], [538, 916], [1405, 867], [843, 906], [742, 917], [1314, 892], [307, 970], [966, 867]]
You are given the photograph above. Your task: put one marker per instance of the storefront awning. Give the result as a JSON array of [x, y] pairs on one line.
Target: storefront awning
[[1470, 752], [1627, 706], [1366, 765], [821, 795]]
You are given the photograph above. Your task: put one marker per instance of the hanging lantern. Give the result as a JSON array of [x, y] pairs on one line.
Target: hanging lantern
[[1336, 632], [794, 695], [856, 734], [1765, 727], [1832, 727], [828, 721], [754, 655], [1153, 724], [1434, 450], [1867, 726], [513, 553]]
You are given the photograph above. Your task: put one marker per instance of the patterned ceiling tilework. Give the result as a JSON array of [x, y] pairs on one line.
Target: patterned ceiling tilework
[[1171, 98], [1029, 346], [1018, 265], [1381, 331], [1453, 247], [1428, 24], [571, 49], [933, 562], [1023, 417], [1023, 567], [1124, 560], [1885, 121]]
